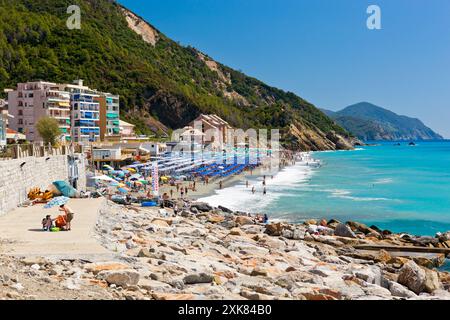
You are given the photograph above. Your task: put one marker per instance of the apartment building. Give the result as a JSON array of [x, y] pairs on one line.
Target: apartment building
[[85, 112], [95, 114], [84, 115], [214, 128], [32, 101]]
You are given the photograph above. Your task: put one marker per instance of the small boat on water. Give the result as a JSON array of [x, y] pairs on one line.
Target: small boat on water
[[412, 144]]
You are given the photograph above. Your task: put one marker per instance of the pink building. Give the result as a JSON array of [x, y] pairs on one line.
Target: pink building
[[32, 101], [214, 128]]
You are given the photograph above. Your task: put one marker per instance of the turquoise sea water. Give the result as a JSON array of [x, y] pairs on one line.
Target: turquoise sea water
[[400, 188]]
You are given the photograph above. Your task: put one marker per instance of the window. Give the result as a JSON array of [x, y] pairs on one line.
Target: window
[[20, 113], [75, 106], [20, 130], [20, 121]]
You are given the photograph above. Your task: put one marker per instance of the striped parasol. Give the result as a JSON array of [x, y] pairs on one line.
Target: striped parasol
[[58, 201]]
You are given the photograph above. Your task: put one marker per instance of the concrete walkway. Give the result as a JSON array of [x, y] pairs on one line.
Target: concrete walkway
[[20, 232]]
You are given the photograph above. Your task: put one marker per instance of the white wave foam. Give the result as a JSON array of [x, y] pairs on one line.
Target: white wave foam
[[239, 197], [345, 194], [384, 181]]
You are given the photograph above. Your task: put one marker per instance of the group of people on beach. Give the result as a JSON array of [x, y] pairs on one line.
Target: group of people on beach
[[247, 184], [61, 222]]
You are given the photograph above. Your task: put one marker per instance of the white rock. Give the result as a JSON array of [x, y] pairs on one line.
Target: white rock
[[18, 286], [398, 290]]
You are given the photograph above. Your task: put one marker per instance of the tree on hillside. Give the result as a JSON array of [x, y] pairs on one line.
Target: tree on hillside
[[48, 129]]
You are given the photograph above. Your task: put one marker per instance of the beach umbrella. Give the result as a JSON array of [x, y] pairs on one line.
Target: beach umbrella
[[58, 201], [143, 181], [108, 167], [131, 170], [123, 190], [136, 177], [117, 184], [104, 178]]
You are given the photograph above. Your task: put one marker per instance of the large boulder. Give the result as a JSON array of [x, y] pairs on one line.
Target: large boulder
[[122, 278], [344, 231], [198, 278], [244, 220], [413, 277], [371, 274], [432, 282], [357, 227], [274, 229], [424, 241], [397, 290], [98, 267], [35, 260], [161, 222], [202, 207], [215, 218], [226, 210]]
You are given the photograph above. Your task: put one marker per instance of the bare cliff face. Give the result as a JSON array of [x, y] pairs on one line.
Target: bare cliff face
[[304, 138], [141, 27]]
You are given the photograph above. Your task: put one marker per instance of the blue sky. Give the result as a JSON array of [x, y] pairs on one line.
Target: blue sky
[[322, 49]]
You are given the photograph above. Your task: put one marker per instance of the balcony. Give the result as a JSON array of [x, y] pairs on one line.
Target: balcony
[[112, 116]]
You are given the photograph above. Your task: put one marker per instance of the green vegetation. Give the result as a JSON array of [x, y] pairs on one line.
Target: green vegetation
[[168, 81], [49, 130], [369, 122]]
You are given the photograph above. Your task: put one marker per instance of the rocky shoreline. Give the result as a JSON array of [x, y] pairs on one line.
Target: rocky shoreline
[[214, 253]]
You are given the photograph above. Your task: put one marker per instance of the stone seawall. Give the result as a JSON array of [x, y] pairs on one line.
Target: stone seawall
[[18, 176]]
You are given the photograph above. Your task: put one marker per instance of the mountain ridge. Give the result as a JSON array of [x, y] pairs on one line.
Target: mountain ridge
[[371, 122], [161, 84]]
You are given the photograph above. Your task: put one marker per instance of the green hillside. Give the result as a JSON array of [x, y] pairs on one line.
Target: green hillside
[[370, 122], [162, 83]]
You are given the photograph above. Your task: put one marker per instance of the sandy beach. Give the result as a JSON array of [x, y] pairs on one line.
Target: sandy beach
[[204, 190]]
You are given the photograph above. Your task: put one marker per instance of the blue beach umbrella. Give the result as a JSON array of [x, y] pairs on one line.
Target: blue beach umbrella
[[58, 201], [123, 190]]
